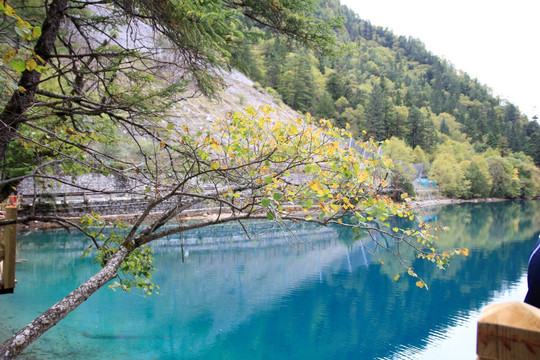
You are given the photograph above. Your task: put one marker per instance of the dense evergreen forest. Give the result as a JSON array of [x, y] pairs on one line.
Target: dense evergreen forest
[[392, 87]]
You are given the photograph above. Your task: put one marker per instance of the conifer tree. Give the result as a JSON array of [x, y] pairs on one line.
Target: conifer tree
[[444, 129], [416, 128], [379, 113], [325, 107], [335, 86], [296, 82]]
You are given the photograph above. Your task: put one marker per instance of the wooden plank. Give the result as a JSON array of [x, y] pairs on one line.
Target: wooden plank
[[10, 248], [508, 331], [2, 248]]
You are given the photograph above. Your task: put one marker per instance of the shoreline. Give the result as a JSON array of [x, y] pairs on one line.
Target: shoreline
[[207, 213], [446, 201]]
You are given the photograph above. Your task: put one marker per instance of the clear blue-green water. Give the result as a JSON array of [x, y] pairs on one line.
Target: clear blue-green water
[[314, 296]]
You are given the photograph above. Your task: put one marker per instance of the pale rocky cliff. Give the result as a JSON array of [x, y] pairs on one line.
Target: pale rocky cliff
[[240, 91], [198, 113]]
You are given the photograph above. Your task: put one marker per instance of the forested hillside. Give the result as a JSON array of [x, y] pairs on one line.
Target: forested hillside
[[385, 86], [381, 84], [391, 86]]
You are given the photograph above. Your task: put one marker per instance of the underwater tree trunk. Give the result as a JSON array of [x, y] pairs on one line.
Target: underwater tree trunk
[[31, 332]]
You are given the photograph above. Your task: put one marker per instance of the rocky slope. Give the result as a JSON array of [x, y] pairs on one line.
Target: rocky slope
[[198, 113], [239, 92]]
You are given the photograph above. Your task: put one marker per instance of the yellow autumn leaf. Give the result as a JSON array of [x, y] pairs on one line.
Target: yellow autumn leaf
[[396, 278], [30, 64], [8, 10], [395, 229], [9, 55], [215, 165], [420, 284]]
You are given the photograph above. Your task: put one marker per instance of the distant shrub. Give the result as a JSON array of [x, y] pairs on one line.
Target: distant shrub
[[241, 99], [277, 97]]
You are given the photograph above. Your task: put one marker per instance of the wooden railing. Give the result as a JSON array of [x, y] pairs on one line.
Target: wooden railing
[[8, 250], [508, 331]]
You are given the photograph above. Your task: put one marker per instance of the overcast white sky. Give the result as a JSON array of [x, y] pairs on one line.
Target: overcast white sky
[[495, 41]]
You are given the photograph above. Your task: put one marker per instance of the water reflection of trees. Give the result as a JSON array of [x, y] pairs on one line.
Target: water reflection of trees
[[480, 227], [368, 316], [488, 225]]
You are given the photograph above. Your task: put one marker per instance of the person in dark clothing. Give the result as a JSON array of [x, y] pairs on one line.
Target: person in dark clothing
[[533, 277]]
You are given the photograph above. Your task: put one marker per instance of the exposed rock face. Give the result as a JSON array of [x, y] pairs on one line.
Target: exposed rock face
[[200, 112], [77, 196]]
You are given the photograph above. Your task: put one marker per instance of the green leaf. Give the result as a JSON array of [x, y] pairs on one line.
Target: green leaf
[[268, 180], [270, 215], [19, 32], [203, 155], [36, 32], [265, 202], [308, 204], [277, 196], [19, 66]]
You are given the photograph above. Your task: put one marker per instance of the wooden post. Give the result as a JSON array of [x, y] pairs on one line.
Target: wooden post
[[508, 331], [10, 250]]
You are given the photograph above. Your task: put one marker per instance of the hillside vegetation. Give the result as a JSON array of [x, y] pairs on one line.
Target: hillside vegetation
[[382, 85], [392, 87]]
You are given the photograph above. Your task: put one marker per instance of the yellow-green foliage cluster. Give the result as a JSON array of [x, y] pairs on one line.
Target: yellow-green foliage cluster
[[462, 173]]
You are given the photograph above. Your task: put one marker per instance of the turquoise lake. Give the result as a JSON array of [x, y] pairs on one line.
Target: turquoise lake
[[315, 295]]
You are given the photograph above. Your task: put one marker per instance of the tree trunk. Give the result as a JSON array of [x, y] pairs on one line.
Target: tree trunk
[[13, 115], [31, 332]]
